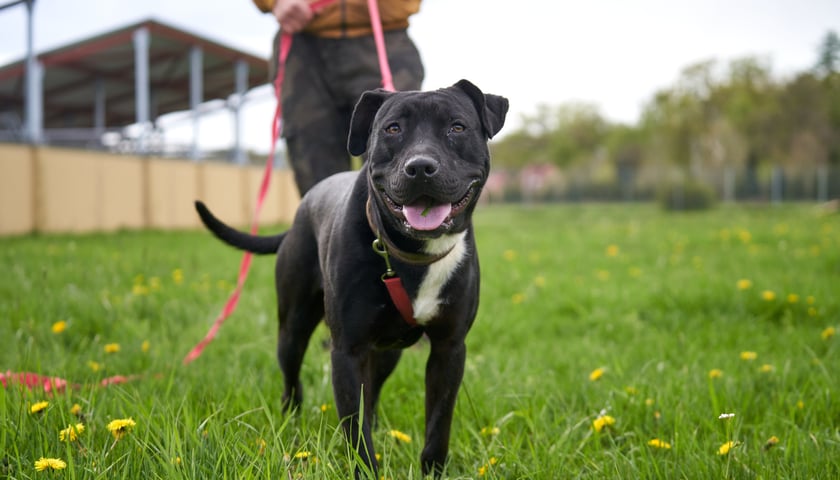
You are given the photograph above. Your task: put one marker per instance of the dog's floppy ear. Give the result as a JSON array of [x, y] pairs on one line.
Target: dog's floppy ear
[[362, 120], [492, 109]]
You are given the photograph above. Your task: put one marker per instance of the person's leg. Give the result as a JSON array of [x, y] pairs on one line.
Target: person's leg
[[313, 125], [352, 68], [352, 65], [323, 80]]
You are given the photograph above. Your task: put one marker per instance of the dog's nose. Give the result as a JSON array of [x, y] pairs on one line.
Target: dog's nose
[[421, 167]]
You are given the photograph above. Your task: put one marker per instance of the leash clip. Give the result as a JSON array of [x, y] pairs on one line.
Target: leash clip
[[382, 251]]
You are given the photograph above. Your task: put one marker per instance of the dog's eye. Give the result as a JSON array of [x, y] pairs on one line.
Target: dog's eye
[[457, 128], [393, 129]]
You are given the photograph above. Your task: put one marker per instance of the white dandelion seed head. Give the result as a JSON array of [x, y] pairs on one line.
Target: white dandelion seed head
[[724, 416]]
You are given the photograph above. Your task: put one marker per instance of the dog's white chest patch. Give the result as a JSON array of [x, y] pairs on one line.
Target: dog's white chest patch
[[427, 303]]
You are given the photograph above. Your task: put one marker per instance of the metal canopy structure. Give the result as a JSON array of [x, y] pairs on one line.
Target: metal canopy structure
[[127, 76]]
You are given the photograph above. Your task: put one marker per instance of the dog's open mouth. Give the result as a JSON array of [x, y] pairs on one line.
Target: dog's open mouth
[[427, 214]]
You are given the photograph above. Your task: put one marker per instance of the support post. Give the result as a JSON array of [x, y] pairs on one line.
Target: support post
[[241, 71], [822, 183], [196, 97], [777, 185], [728, 184], [141, 84], [99, 108], [34, 84]]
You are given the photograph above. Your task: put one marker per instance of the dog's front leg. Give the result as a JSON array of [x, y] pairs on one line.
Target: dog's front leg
[[444, 372], [352, 391]]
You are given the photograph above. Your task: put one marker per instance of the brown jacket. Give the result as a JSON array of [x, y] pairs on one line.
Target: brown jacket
[[349, 18]]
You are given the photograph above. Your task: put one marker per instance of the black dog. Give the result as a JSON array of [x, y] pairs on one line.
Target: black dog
[[426, 161]]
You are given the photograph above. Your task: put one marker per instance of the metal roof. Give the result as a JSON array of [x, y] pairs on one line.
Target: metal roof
[[72, 71]]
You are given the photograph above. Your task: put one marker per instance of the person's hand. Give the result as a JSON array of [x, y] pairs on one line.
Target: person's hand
[[293, 15]]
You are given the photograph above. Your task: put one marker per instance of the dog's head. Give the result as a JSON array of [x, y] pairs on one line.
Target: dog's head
[[426, 153]]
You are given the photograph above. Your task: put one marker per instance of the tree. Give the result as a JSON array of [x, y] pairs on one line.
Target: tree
[[828, 61], [559, 135]]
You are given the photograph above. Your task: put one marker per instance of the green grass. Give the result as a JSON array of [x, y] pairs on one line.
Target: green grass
[[651, 298]]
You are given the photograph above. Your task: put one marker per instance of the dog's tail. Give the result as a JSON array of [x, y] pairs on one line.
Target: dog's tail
[[233, 237]]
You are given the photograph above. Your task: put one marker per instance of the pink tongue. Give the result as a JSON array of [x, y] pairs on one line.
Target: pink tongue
[[422, 217]]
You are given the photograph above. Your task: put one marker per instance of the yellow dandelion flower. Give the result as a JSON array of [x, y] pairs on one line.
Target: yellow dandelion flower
[[71, 433], [768, 295], [302, 455], [94, 366], [517, 298], [810, 300], [812, 312], [139, 290], [178, 276], [59, 327], [715, 373], [800, 405], [602, 422], [112, 347], [726, 447], [38, 407], [76, 409], [771, 442], [793, 298], [657, 443], [400, 436], [493, 461], [260, 444], [766, 368], [745, 236], [176, 461], [827, 333], [744, 284], [490, 431], [482, 470], [748, 356], [630, 390], [145, 346], [325, 407], [596, 374], [509, 255], [612, 251], [120, 427], [539, 281], [649, 402], [52, 463]]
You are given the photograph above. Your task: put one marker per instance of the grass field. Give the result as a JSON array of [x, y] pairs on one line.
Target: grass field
[[609, 341]]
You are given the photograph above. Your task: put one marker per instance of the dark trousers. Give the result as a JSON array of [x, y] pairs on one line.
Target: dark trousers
[[323, 80]]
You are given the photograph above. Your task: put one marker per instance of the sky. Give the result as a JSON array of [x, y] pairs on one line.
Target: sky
[[614, 54]]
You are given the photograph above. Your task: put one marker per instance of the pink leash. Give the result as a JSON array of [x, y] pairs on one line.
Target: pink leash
[[55, 384], [276, 127], [379, 38]]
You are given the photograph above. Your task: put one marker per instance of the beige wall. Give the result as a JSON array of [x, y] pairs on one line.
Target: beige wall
[[62, 190], [17, 202]]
